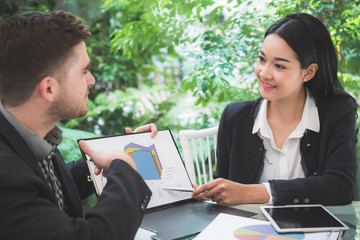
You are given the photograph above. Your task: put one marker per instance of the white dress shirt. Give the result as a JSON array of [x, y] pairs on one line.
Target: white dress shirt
[[284, 163]]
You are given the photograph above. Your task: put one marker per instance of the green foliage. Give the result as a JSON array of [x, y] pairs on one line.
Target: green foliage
[[11, 7], [139, 33], [139, 105], [113, 70]]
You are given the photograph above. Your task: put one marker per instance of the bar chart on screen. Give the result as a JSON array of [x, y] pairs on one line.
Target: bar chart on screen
[[146, 159]]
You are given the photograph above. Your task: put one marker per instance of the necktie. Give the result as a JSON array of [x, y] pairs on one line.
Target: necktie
[[48, 169]]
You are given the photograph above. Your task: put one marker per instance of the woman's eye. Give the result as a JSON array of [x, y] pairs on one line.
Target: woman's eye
[[261, 59], [279, 66]]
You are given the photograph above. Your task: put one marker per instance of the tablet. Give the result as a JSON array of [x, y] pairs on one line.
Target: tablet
[[302, 218], [157, 160]]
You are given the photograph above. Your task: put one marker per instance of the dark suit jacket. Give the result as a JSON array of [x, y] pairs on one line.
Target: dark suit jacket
[[328, 158], [28, 208]]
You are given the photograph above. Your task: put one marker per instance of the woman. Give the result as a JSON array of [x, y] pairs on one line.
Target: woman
[[296, 144]]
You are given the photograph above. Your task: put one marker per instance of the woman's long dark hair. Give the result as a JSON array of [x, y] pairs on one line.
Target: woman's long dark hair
[[311, 41]]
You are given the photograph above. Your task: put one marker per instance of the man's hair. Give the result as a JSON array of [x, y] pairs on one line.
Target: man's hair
[[34, 45]]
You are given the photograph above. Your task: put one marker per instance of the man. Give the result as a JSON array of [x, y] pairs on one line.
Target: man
[[44, 78]]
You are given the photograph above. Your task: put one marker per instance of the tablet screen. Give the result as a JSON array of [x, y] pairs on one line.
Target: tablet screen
[[302, 218], [157, 160]]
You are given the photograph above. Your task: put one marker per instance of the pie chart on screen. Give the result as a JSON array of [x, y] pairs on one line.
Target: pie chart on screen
[[264, 232]]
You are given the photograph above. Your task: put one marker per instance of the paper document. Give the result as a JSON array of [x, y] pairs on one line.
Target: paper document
[[143, 234], [231, 227], [157, 160]]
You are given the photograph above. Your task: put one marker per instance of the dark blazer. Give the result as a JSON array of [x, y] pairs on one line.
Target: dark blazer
[[328, 158], [28, 208]]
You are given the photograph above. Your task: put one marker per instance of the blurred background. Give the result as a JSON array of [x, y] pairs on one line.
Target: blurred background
[[177, 63]]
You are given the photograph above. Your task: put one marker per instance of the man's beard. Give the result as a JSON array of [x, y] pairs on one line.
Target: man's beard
[[65, 108]]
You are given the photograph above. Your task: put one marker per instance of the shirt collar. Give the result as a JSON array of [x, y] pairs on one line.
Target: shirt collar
[[309, 120], [260, 120], [40, 147]]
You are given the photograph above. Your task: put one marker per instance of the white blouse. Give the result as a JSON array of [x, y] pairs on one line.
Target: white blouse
[[284, 163]]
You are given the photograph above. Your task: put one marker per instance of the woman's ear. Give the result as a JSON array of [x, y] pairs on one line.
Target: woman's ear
[[310, 72], [47, 88]]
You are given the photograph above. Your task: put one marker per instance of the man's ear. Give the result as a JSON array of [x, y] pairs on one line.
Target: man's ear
[[310, 72], [47, 87]]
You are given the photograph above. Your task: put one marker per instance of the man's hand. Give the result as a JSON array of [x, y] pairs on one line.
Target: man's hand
[[103, 158], [146, 128]]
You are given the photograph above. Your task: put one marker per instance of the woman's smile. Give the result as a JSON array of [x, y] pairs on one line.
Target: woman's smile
[[267, 86]]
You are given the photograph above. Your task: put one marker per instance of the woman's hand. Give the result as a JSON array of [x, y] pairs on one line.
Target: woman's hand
[[151, 127], [226, 192]]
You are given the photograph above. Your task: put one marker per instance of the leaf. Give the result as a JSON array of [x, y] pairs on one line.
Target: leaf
[[197, 102], [328, 6]]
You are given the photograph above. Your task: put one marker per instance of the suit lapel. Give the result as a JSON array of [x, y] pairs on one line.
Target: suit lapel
[[19, 146], [13, 139]]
